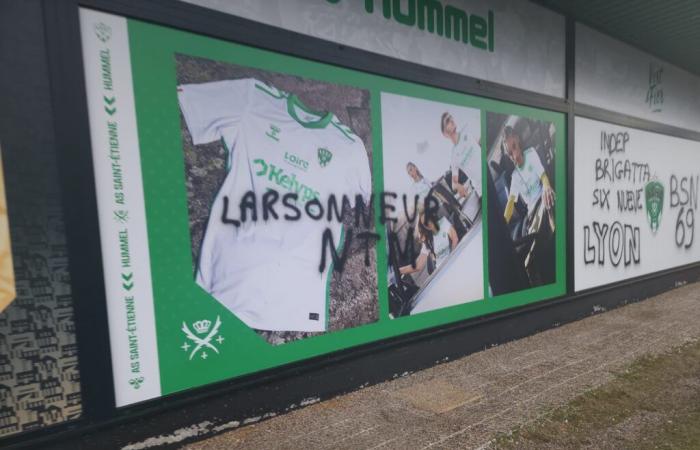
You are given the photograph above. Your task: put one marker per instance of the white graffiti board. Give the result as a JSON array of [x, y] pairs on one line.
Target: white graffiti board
[[636, 200]]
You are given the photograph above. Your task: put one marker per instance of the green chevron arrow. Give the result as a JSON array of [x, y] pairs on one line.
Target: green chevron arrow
[[127, 283]]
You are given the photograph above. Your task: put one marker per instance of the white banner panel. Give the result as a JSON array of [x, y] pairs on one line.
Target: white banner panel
[[511, 42], [615, 76], [121, 209], [636, 199]]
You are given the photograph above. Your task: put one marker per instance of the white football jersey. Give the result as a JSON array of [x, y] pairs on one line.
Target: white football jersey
[[466, 155], [267, 271], [526, 180], [441, 242]]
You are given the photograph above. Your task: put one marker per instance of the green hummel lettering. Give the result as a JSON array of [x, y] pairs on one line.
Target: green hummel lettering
[[448, 21]]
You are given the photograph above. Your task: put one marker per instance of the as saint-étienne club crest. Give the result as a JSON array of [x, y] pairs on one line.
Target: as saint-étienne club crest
[[201, 338], [103, 31], [324, 156], [654, 198]]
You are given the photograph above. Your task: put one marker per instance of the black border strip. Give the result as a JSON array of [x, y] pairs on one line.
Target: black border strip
[[76, 174]]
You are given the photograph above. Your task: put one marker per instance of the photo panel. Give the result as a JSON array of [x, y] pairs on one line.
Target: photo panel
[[267, 157], [432, 164], [522, 202]]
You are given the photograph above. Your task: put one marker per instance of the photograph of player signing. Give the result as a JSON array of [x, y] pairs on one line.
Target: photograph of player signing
[[251, 135], [432, 151], [521, 202]]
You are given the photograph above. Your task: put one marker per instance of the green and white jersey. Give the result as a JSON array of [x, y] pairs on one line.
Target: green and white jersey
[[267, 271], [466, 155], [420, 188], [441, 242], [526, 179]]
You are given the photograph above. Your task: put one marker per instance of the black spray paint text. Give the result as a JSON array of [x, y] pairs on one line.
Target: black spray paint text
[[617, 243], [273, 206], [683, 195]]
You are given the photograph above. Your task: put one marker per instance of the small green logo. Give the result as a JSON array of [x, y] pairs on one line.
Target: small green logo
[[324, 156], [103, 31], [654, 196], [274, 132]]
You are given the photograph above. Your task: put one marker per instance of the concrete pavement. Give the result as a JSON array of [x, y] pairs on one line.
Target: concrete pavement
[[464, 403]]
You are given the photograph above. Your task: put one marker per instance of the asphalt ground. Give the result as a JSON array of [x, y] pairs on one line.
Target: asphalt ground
[[468, 403]]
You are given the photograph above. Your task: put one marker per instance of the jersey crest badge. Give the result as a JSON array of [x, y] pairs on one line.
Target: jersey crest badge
[[324, 156]]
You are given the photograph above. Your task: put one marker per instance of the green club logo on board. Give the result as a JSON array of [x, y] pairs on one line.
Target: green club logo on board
[[654, 197], [103, 31], [324, 156]]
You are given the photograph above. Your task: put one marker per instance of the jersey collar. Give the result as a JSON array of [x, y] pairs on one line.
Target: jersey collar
[[324, 118]]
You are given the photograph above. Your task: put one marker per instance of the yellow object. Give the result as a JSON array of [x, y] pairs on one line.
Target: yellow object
[[545, 180], [7, 275], [510, 206]]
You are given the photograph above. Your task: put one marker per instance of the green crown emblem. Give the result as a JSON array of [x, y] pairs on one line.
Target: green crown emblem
[[654, 198], [324, 156]]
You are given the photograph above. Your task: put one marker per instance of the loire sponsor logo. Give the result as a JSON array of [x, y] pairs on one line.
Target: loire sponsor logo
[[296, 161]]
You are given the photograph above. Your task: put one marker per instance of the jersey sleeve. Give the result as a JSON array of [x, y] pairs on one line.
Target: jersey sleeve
[[362, 179], [209, 108]]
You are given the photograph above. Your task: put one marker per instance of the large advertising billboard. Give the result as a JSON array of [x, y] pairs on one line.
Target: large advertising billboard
[[636, 197], [258, 209]]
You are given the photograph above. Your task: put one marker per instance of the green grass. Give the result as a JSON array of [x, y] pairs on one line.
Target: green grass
[[653, 404]]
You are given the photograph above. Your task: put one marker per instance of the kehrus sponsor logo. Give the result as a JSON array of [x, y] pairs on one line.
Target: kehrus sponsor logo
[[286, 181], [654, 197], [296, 161], [444, 20]]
